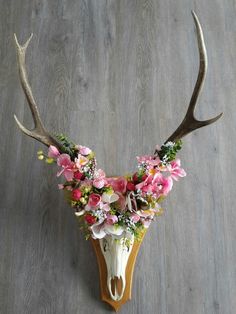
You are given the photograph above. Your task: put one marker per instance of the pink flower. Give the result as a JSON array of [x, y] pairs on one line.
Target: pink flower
[[163, 184], [118, 184], [105, 207], [94, 200], [99, 183], [99, 179], [76, 194], [84, 150], [175, 170], [81, 161], [150, 160], [111, 219], [53, 152], [67, 165], [100, 174], [134, 217], [60, 186], [146, 185]]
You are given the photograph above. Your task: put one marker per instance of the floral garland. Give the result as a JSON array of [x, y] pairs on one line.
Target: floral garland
[[119, 204]]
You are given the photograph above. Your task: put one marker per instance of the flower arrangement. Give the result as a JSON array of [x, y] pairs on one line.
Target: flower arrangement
[[113, 205]]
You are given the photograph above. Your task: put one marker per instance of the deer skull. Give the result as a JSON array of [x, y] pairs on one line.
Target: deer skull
[[116, 248], [116, 251]]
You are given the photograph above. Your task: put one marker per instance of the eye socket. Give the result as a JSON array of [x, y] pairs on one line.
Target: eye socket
[[105, 245]]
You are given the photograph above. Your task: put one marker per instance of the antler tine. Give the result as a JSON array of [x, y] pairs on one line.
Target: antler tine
[[39, 132], [190, 123]]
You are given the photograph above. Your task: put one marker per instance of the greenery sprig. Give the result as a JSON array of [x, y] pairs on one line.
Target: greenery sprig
[[169, 150], [68, 147]]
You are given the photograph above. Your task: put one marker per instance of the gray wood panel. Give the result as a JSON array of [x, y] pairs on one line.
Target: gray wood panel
[[117, 76]]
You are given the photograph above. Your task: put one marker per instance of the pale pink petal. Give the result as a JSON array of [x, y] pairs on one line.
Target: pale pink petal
[[69, 174], [81, 161], [111, 219], [53, 152], [84, 150], [99, 183], [64, 161]]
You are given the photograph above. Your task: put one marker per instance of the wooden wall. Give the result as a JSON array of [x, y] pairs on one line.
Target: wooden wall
[[117, 76]]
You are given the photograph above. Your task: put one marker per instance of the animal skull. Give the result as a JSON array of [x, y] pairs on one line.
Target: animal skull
[[116, 251]]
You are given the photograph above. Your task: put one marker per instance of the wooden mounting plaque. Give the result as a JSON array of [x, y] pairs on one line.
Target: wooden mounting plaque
[[129, 274]]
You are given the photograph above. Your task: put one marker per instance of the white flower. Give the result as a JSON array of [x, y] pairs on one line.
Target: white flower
[[109, 198]]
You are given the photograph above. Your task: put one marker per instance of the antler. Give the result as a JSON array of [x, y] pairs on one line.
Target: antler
[[39, 132], [190, 123]]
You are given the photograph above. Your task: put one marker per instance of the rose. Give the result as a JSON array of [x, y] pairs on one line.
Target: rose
[[135, 178], [90, 219], [118, 184], [99, 179], [76, 194], [94, 200], [130, 186], [111, 219], [99, 183], [78, 175]]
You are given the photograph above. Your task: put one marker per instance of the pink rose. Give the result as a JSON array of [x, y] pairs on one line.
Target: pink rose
[[100, 174], [118, 184], [53, 152], [94, 200], [76, 194], [84, 150], [99, 183], [111, 219]]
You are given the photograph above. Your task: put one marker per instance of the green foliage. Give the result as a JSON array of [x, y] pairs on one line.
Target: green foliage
[[68, 147], [169, 150]]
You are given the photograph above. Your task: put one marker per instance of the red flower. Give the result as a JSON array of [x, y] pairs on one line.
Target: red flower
[[76, 194], [90, 219], [135, 178], [78, 175], [130, 186]]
